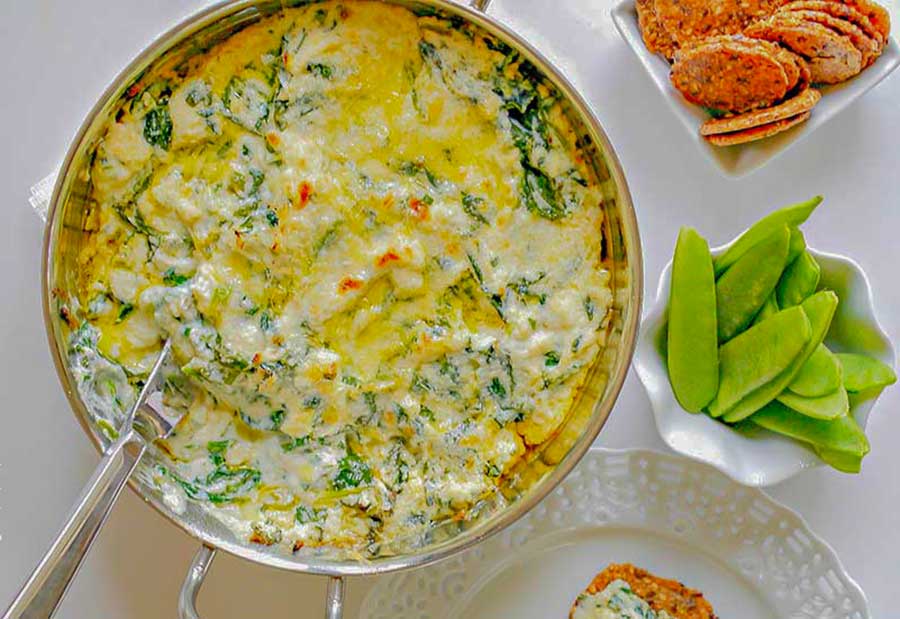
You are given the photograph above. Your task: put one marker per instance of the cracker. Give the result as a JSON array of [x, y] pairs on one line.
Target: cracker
[[691, 21], [662, 594], [794, 106], [656, 38], [831, 57], [868, 47], [792, 67], [839, 10], [756, 133], [876, 13], [730, 73]]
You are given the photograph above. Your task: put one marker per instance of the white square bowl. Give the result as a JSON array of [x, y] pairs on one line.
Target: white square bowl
[[740, 160]]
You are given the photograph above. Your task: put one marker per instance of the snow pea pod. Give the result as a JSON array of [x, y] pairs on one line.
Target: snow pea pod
[[819, 308], [862, 373], [840, 460], [744, 288], [693, 355], [842, 434], [792, 216], [797, 245], [769, 308], [820, 375], [829, 406], [758, 356], [799, 280]]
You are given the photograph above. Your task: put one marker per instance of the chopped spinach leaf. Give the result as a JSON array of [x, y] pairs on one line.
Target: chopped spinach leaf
[[305, 515], [426, 412], [420, 384], [277, 418], [492, 470], [171, 278], [217, 451], [158, 127], [475, 268], [506, 415], [321, 70], [497, 388], [371, 404], [293, 443], [540, 195], [429, 53], [265, 321], [224, 484], [352, 472], [124, 311], [589, 308], [472, 207], [414, 168]]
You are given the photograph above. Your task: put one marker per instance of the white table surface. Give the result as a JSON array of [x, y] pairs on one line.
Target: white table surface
[[58, 56]]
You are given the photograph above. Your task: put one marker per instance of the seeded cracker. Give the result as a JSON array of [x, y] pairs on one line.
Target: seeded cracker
[[662, 594], [841, 11], [794, 106], [868, 47], [656, 38], [756, 133], [690, 21], [730, 73], [876, 13], [832, 58], [792, 66]]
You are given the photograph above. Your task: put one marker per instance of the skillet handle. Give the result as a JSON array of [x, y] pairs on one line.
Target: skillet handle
[[334, 603], [190, 589], [45, 588]]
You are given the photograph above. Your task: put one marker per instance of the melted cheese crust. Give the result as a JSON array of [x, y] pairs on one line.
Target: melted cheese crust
[[376, 247]]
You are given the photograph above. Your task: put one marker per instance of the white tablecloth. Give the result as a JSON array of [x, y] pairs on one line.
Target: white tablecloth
[[58, 56]]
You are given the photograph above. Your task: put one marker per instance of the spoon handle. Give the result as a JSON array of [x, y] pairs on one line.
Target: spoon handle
[[44, 590]]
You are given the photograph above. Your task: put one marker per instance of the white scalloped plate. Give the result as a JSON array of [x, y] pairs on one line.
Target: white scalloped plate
[[752, 557], [765, 458]]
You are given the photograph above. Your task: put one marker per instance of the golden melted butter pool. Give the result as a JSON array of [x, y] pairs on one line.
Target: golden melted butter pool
[[375, 244]]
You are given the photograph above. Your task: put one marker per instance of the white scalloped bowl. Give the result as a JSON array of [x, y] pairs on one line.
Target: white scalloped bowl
[[763, 458]]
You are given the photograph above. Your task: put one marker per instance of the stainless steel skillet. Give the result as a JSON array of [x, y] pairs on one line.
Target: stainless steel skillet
[[67, 228]]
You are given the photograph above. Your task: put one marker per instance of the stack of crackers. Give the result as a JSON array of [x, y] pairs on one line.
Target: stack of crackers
[[753, 63]]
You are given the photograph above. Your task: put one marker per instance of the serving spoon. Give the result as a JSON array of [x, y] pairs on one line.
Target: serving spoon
[[146, 422]]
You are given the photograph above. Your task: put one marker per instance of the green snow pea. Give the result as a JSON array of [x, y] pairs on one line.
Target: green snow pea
[[841, 434], [862, 373], [819, 309], [769, 308], [829, 406], [797, 246], [792, 216], [744, 288], [692, 348], [799, 280], [820, 375], [840, 460], [758, 355]]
